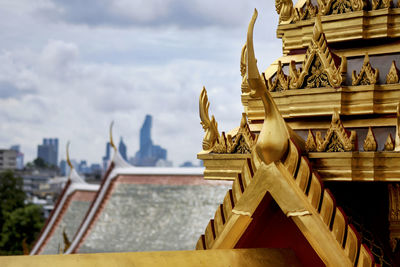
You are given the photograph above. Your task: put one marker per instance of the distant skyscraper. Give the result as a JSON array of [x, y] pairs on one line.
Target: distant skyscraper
[[122, 149], [148, 154], [48, 151], [107, 156], [20, 156]]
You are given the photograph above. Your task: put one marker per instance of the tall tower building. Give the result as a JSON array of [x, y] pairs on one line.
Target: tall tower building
[[107, 156], [122, 149], [48, 151]]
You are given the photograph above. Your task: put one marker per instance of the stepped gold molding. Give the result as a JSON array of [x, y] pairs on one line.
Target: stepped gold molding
[[243, 143], [329, 7], [311, 144], [367, 75], [370, 141], [281, 82], [273, 139], [389, 144], [243, 70], [394, 214], [378, 4], [337, 138], [210, 126], [285, 10], [319, 68], [393, 76]]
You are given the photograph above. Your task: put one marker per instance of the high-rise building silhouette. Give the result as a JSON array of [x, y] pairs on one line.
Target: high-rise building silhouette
[[122, 149], [20, 156], [148, 154], [107, 156], [48, 151]]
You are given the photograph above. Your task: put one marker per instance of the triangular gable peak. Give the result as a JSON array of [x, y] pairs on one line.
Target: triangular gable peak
[[319, 68], [337, 138], [367, 75], [281, 82]]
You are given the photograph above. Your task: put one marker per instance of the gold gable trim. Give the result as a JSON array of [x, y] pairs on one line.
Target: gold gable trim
[[367, 75], [281, 82], [370, 141], [319, 68], [311, 144], [308, 12], [378, 4], [329, 7], [393, 76], [389, 144]]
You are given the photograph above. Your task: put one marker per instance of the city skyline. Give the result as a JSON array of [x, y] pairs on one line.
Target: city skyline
[[81, 71]]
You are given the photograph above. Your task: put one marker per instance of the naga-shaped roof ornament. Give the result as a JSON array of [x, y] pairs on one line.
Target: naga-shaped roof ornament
[[286, 11], [111, 137], [117, 159], [209, 126], [273, 141], [319, 68], [243, 71], [73, 175]]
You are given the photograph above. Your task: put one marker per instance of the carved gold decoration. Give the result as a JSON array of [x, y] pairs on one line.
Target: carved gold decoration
[[367, 75], [243, 142], [328, 7], [67, 242], [281, 82], [273, 140], [311, 144], [394, 214], [111, 137], [308, 12], [393, 76], [319, 68], [209, 126], [337, 139], [285, 10], [68, 159], [397, 140], [243, 71], [389, 144], [378, 4], [370, 141]]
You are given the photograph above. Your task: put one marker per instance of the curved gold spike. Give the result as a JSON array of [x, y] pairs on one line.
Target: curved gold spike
[[273, 140], [209, 126], [111, 137], [68, 159]]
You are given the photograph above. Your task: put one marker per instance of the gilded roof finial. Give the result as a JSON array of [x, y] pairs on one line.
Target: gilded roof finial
[[209, 126], [285, 10], [273, 140], [68, 159], [111, 137]]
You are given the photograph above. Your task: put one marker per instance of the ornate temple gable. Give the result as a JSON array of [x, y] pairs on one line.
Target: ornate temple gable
[[370, 141], [311, 144], [319, 68], [378, 4], [281, 82], [330, 7], [367, 75], [337, 138], [209, 126], [393, 76], [242, 143]]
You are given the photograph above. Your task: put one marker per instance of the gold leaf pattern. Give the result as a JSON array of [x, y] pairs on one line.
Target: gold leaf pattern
[[311, 145], [370, 141], [367, 75], [393, 76], [329, 7], [378, 4], [281, 82], [389, 144]]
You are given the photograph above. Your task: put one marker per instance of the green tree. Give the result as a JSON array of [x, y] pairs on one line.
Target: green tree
[[40, 163], [19, 223]]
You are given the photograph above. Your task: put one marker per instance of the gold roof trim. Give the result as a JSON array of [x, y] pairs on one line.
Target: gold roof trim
[[389, 144], [210, 126], [378, 4], [329, 7], [308, 12], [319, 68], [393, 76], [367, 75], [281, 82], [285, 10]]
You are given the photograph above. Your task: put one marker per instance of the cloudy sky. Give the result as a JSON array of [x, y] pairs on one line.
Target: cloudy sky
[[70, 67]]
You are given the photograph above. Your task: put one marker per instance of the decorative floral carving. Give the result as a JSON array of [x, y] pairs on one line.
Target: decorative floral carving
[[393, 75], [285, 10], [209, 126], [367, 75], [311, 145], [319, 68], [242, 143], [389, 144], [378, 4], [281, 82], [308, 12], [370, 141], [329, 7], [337, 138]]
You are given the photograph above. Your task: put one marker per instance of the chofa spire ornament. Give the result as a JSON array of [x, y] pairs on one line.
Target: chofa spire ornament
[[319, 68], [273, 141], [243, 71], [111, 137], [68, 159], [209, 126], [285, 10]]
